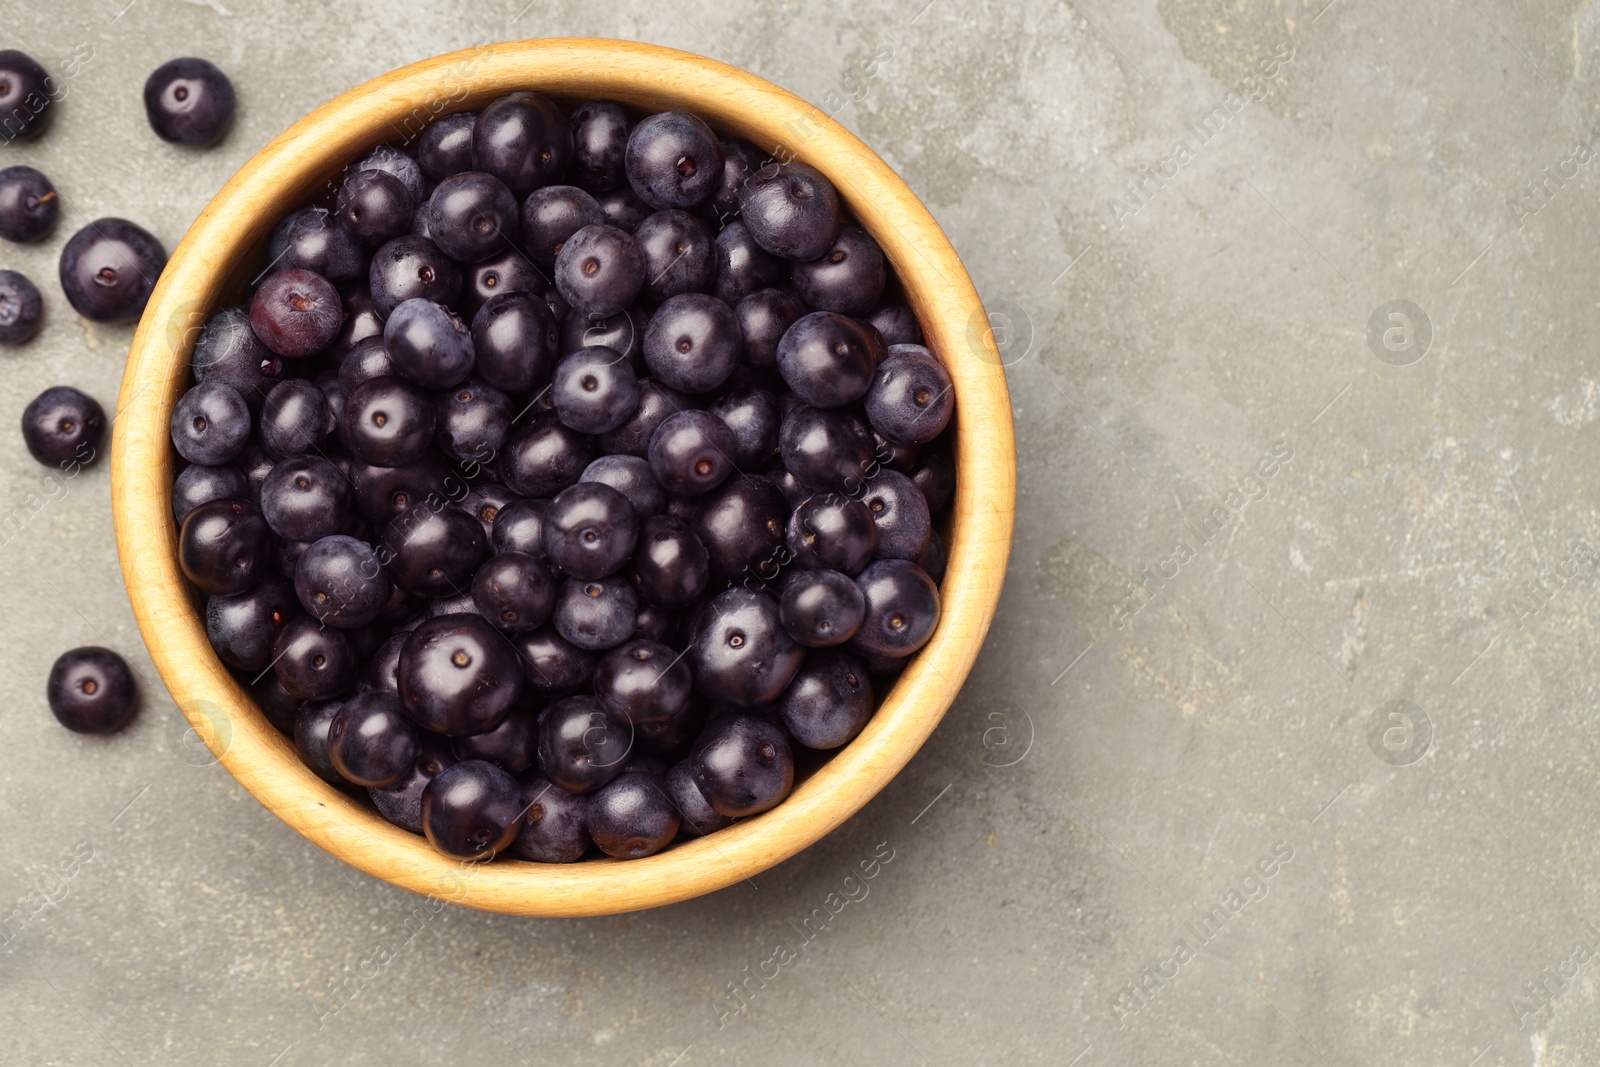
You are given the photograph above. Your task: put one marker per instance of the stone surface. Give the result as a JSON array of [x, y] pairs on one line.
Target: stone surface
[[1187, 282]]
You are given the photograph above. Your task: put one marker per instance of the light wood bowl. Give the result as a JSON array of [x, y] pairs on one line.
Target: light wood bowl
[[225, 248]]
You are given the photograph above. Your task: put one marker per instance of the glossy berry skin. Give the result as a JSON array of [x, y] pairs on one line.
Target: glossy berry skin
[[519, 527], [471, 421], [656, 403], [197, 484], [515, 591], [673, 160], [340, 581], [630, 476], [243, 629], [791, 210], [740, 652], [581, 746], [670, 567], [826, 448], [599, 270], [412, 267], [693, 342], [623, 209], [740, 160], [828, 359], [472, 810], [895, 322], [445, 147], [471, 216], [787, 483], [305, 498], [902, 608], [741, 523], [515, 339], [371, 742], [21, 308], [312, 239], [401, 803], [742, 764], [600, 131], [834, 532], [62, 426], [552, 666], [228, 351], [511, 746], [594, 390], [679, 255], [544, 457], [753, 416], [744, 267], [551, 215], [210, 424], [507, 272], [596, 613], [189, 101], [383, 494], [428, 344], [223, 547], [911, 398], [695, 814], [392, 160], [296, 313], [374, 207], [820, 609], [313, 662], [26, 93], [524, 140], [29, 205], [848, 278], [900, 513], [632, 817], [388, 422], [589, 530], [555, 826], [433, 551], [91, 691], [828, 702], [936, 477], [108, 269], [311, 723], [691, 453], [458, 676], [295, 418], [643, 682]]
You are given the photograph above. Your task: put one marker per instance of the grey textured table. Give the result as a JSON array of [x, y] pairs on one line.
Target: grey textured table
[[1177, 816]]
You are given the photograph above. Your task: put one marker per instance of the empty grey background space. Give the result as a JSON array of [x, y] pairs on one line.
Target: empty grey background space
[[1242, 534]]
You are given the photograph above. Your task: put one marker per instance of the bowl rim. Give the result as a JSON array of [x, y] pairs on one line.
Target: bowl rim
[[208, 266]]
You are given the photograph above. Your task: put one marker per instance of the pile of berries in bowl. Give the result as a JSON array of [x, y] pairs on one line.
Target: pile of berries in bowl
[[569, 480]]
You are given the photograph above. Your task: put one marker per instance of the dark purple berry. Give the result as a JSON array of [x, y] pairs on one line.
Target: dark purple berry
[[223, 547], [600, 270], [445, 147], [428, 344], [630, 476], [631, 817], [458, 676], [581, 746], [108, 268], [471, 421], [555, 826], [596, 613], [833, 532], [197, 484], [63, 426], [471, 216], [524, 140], [741, 523], [375, 207], [656, 403], [512, 746], [826, 448], [228, 351], [312, 661], [515, 591], [189, 101], [29, 205], [828, 702], [433, 551], [912, 398], [896, 323], [900, 513], [388, 422], [519, 527], [296, 313], [412, 267], [740, 652], [295, 418], [550, 216], [312, 239], [742, 764], [600, 131], [552, 665], [670, 567], [401, 803], [306, 497], [791, 210], [91, 690], [679, 255], [902, 608], [848, 278], [21, 308], [594, 390], [828, 359], [371, 742], [544, 457], [764, 317], [744, 267], [341, 582], [693, 342], [691, 453], [244, 628], [753, 416], [673, 160], [696, 816], [515, 339], [472, 810]]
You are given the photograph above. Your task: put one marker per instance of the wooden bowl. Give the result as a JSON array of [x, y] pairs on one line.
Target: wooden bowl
[[225, 248]]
